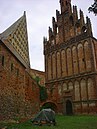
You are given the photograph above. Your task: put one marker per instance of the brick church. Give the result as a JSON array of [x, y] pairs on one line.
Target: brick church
[[70, 67], [71, 62]]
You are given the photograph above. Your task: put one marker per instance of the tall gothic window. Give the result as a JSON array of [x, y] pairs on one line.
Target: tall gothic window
[[81, 58], [75, 60], [77, 91], [69, 61], [83, 89], [64, 86], [70, 86], [54, 65], [58, 65], [91, 89], [87, 56], [49, 67], [63, 59]]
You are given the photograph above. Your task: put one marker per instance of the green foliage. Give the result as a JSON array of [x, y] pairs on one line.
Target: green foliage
[[93, 7], [43, 91], [63, 122], [37, 79]]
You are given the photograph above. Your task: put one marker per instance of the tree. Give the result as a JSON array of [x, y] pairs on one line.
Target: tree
[[93, 8]]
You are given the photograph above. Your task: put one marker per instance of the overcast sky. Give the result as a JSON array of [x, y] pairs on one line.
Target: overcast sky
[[39, 15]]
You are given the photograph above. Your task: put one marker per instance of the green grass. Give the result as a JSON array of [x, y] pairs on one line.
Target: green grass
[[63, 122]]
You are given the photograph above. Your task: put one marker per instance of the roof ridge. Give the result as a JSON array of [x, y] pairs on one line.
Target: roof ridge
[[11, 28], [16, 36]]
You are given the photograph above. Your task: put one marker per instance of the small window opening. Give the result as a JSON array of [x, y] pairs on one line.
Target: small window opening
[[84, 29], [11, 66], [17, 72], [2, 60], [83, 60], [66, 3]]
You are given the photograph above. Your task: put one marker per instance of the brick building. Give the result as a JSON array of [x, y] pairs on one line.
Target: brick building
[[40, 74], [19, 93], [71, 62]]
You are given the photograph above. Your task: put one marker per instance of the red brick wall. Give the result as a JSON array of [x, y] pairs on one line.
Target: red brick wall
[[69, 61], [94, 45], [16, 86], [75, 65], [36, 73]]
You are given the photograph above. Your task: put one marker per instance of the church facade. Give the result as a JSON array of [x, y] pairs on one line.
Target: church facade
[[71, 62]]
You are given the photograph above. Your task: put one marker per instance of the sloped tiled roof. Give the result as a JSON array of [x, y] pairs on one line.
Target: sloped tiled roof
[[11, 29], [16, 39]]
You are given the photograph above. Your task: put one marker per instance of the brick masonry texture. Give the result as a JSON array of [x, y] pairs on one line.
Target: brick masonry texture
[[19, 94], [71, 62], [36, 73]]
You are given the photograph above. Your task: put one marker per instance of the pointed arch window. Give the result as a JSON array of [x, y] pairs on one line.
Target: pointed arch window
[[83, 89], [75, 60], [71, 21], [78, 29], [87, 56], [77, 91], [54, 65], [69, 61], [63, 58], [66, 3], [70, 86], [81, 58], [64, 86], [91, 89], [84, 29], [58, 65], [59, 89]]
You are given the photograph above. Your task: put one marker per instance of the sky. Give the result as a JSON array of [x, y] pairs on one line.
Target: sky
[[39, 15]]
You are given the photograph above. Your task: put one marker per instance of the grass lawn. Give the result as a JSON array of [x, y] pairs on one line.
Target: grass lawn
[[63, 122]]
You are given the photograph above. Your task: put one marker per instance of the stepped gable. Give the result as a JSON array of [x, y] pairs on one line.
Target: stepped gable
[[16, 39], [70, 54], [67, 25]]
